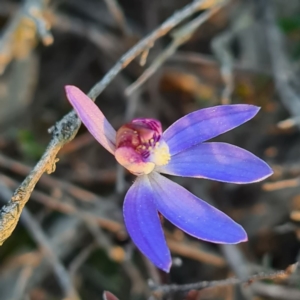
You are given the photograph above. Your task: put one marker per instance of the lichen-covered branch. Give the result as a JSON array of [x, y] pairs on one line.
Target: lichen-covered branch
[[63, 132]]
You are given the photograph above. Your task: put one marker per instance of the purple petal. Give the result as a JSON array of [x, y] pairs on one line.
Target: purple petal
[[92, 117], [193, 215], [218, 161], [204, 124], [143, 223]]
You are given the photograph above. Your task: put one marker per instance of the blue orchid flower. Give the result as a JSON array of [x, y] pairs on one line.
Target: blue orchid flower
[[146, 151]]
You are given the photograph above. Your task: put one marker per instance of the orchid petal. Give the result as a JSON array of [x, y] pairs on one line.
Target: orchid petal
[[204, 124], [218, 161], [193, 215], [92, 117], [143, 223]]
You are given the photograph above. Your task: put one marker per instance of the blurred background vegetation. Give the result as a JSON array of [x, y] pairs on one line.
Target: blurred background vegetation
[[247, 52]]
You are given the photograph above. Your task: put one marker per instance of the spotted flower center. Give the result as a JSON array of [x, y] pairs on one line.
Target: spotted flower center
[[140, 146]]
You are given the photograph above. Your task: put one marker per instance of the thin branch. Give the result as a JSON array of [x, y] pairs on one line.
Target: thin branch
[[22, 281], [145, 43], [281, 184], [43, 241], [181, 36], [14, 42], [117, 13], [58, 268], [65, 130], [203, 59], [80, 259], [282, 70], [222, 50], [275, 291], [89, 30], [68, 208], [239, 265], [193, 251], [216, 283]]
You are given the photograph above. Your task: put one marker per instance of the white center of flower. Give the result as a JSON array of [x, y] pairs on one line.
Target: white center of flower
[[160, 154]]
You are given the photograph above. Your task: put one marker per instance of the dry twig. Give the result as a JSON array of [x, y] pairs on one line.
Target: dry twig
[[43, 241], [181, 36], [194, 252], [19, 36], [69, 208], [287, 87], [117, 14], [165, 289], [221, 48], [39, 236], [275, 291]]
